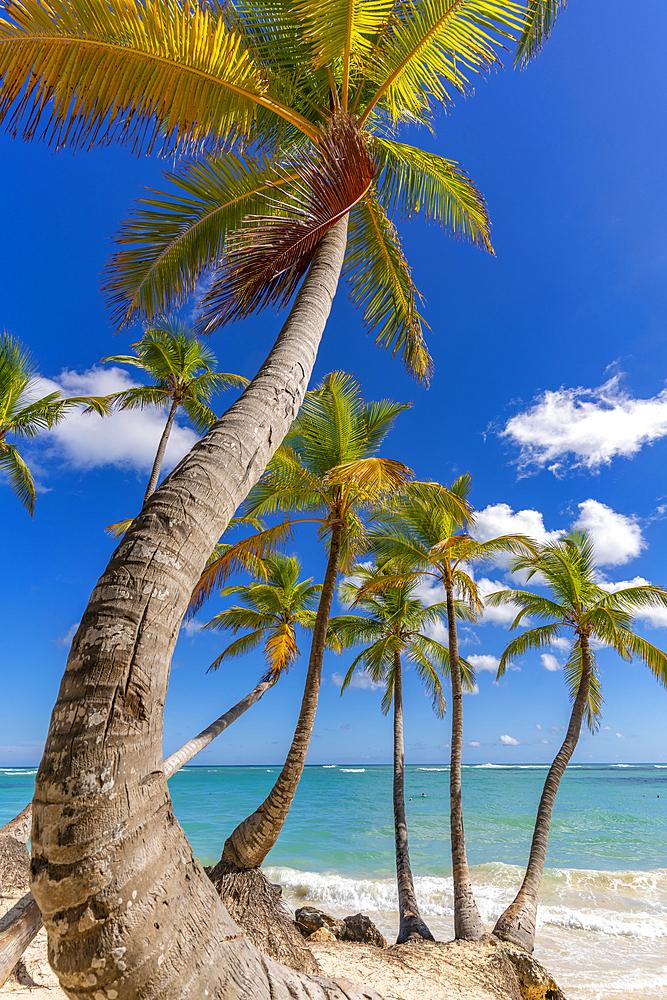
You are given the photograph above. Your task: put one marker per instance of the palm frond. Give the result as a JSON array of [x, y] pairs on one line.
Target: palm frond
[[171, 240], [20, 477], [534, 638], [416, 182], [381, 284], [238, 648], [82, 73], [539, 21], [267, 257]]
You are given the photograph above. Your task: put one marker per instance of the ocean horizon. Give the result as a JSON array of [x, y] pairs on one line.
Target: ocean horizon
[[602, 920]]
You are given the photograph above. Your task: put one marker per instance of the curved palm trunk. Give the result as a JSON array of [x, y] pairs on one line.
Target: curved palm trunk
[[517, 923], [193, 746], [252, 839], [128, 911], [159, 455], [467, 921], [20, 925], [411, 927]]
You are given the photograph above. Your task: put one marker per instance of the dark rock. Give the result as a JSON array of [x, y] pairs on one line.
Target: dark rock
[[309, 919], [362, 929]]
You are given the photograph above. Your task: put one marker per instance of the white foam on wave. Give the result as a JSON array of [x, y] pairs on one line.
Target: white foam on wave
[[16, 770], [660, 765], [433, 769], [353, 770], [328, 765], [623, 765]]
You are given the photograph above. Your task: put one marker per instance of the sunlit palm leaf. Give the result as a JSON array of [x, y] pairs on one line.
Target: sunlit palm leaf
[[20, 477], [416, 182], [381, 284], [267, 258], [171, 240], [85, 72]]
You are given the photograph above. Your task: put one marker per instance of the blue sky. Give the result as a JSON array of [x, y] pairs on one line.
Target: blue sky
[[549, 387]]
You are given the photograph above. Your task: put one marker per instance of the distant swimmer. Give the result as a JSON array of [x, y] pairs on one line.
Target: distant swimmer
[[424, 795]]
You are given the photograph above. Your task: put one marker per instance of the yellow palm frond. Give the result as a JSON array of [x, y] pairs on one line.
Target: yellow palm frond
[[86, 72], [280, 649], [369, 480]]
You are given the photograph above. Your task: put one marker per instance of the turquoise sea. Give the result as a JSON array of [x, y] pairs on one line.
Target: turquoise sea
[[603, 914]]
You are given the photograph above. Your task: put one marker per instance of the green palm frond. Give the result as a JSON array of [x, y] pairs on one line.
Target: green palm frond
[[83, 73], [416, 182], [19, 475], [431, 47], [381, 284], [201, 417], [534, 638], [238, 648], [654, 658], [539, 21], [171, 240], [139, 397]]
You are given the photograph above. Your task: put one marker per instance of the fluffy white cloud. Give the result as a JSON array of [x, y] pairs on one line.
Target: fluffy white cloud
[[538, 726], [509, 741], [588, 427], [504, 614], [550, 662], [617, 537], [620, 736], [501, 519], [484, 661], [125, 440], [360, 679], [474, 743]]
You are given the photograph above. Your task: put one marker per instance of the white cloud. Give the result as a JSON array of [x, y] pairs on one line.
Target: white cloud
[[474, 743], [126, 440], [484, 661], [360, 679], [538, 726], [608, 728], [501, 519], [617, 537], [620, 736], [544, 741], [550, 662], [504, 614], [509, 741], [473, 690], [586, 427], [562, 645]]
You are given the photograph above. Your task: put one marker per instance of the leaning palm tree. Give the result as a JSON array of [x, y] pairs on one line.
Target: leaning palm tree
[[270, 78], [326, 468], [182, 370], [422, 535], [395, 626], [23, 417], [275, 608], [579, 607]]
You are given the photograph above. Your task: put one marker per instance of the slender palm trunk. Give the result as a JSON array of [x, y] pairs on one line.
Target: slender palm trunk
[[411, 927], [193, 746], [128, 911], [467, 921], [252, 839], [517, 923], [159, 455]]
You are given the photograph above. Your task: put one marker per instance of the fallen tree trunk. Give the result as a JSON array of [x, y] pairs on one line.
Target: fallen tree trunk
[[19, 827], [18, 927]]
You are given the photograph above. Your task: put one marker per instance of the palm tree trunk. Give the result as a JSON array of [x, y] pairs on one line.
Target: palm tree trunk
[[128, 911], [17, 929], [161, 448], [411, 927], [19, 827], [252, 839], [517, 923], [467, 921], [193, 746]]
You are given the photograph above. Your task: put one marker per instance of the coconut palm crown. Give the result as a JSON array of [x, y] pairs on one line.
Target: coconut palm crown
[[23, 417], [578, 607], [292, 111], [183, 371]]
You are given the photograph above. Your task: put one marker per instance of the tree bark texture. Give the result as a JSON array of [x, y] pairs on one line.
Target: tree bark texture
[[252, 839], [159, 455], [129, 913], [468, 924], [17, 929], [19, 827], [193, 746], [411, 927], [517, 923]]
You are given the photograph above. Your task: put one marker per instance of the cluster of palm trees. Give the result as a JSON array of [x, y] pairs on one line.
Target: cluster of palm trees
[[291, 115]]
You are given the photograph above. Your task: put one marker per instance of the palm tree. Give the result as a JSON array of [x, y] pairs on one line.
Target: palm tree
[[424, 536], [265, 77], [182, 369], [579, 607], [396, 626], [24, 417], [327, 469], [274, 608]]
